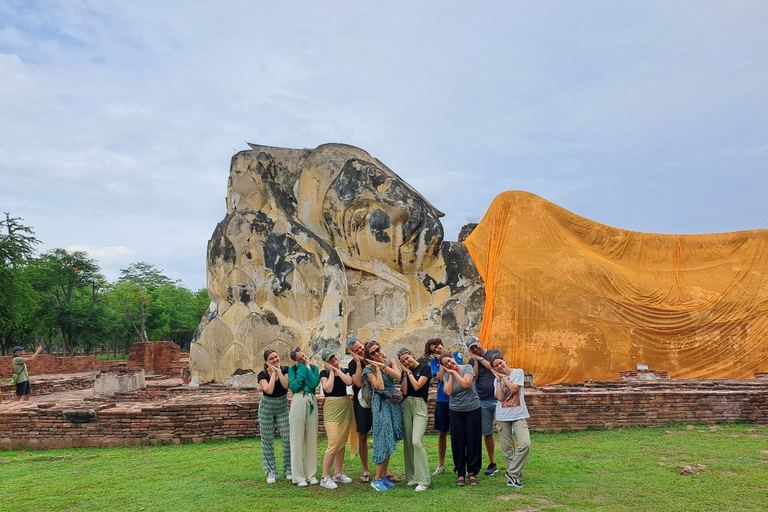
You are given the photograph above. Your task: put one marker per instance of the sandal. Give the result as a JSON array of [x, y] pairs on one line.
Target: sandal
[[460, 481], [365, 478], [473, 480], [392, 478]]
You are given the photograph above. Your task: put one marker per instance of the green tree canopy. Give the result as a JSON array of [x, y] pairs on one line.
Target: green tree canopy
[[17, 298], [70, 285], [17, 243]]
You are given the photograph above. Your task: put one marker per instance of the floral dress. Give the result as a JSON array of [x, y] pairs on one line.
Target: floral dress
[[387, 419]]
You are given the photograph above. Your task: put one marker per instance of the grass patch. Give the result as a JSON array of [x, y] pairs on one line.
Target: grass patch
[[112, 357], [611, 470]]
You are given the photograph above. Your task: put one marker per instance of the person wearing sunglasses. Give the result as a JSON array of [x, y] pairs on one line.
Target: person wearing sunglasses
[[303, 379], [273, 412], [363, 415], [466, 419], [415, 387], [383, 374]]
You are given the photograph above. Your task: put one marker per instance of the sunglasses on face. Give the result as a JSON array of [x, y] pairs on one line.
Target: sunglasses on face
[[375, 351]]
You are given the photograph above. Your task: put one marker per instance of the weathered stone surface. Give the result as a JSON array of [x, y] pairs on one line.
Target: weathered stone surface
[[320, 245], [80, 415], [242, 380], [109, 383]]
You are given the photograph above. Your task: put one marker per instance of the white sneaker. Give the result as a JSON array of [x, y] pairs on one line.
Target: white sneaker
[[303, 483], [420, 488], [313, 481], [328, 483], [341, 478], [271, 478], [439, 471], [412, 483]]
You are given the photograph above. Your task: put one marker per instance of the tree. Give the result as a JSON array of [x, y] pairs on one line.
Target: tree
[[70, 286], [17, 299], [135, 291], [183, 311], [17, 243]]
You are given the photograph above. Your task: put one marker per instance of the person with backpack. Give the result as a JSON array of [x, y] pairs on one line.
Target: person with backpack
[[303, 379], [21, 373], [383, 374], [363, 415]]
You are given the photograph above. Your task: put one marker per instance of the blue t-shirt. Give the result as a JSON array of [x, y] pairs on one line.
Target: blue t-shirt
[[434, 365]]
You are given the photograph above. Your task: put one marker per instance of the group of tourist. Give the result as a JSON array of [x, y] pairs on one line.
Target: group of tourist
[[389, 399]]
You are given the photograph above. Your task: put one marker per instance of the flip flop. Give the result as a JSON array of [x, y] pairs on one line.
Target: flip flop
[[392, 478], [365, 478], [473, 480], [460, 481]]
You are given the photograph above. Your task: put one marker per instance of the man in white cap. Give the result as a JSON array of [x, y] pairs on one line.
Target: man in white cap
[[23, 388], [484, 382]]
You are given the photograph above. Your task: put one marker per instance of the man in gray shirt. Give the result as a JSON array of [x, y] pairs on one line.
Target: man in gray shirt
[[484, 379]]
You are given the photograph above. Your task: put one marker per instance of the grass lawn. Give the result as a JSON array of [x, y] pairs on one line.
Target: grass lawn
[[112, 357], [610, 470]]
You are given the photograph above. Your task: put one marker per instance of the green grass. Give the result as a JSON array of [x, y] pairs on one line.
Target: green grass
[[112, 357], [611, 470]]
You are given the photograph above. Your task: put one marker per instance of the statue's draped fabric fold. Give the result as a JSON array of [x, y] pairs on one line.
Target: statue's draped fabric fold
[[570, 300]]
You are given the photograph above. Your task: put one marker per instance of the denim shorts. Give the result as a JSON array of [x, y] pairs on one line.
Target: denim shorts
[[489, 409]]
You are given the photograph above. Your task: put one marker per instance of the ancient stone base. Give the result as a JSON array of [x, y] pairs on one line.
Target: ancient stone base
[[643, 375], [186, 415], [109, 383]]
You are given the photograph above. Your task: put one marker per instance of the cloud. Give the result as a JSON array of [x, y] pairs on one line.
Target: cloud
[[120, 118]]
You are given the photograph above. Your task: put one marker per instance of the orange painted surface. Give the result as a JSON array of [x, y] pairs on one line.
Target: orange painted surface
[[569, 299]]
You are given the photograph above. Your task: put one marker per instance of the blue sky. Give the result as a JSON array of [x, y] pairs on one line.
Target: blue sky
[[118, 119]]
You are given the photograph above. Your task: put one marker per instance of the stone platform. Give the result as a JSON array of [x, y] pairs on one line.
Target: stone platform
[[167, 412]]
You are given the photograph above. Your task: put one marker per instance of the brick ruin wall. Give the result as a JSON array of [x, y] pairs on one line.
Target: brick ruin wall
[[161, 357], [154, 357], [200, 418], [47, 364]]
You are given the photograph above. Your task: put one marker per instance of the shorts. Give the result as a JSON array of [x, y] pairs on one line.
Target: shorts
[[442, 416], [363, 417], [23, 388], [489, 409]]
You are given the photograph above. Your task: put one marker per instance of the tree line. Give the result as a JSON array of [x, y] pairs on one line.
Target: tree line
[[60, 299]]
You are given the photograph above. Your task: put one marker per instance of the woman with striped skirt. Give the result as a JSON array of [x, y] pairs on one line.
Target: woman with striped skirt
[[273, 412]]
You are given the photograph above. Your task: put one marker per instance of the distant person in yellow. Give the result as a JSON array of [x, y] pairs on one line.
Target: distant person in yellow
[[23, 387]]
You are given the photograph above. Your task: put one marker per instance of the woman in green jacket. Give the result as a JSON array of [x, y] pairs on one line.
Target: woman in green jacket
[[303, 379]]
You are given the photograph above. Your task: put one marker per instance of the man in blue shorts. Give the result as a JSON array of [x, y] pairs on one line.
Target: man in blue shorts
[[484, 382], [432, 351]]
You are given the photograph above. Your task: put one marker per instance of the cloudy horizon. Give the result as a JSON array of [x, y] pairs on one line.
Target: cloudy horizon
[[119, 119]]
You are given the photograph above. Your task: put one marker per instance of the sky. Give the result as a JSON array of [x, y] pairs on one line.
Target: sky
[[118, 119]]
